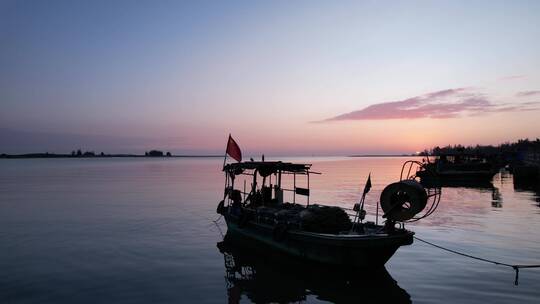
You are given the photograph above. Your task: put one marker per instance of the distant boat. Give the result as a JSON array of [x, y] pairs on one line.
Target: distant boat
[[457, 169], [317, 233]]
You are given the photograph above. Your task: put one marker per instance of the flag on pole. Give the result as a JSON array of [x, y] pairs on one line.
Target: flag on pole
[[368, 185], [233, 149]]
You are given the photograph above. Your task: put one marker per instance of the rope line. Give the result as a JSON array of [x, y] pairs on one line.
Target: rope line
[[515, 267], [216, 222], [217, 219]]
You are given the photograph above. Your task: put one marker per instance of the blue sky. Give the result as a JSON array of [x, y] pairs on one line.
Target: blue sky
[[181, 75]]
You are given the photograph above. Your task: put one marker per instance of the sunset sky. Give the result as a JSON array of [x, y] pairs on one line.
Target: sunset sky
[[291, 77]]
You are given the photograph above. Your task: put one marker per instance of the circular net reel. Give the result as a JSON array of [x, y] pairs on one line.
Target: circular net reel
[[407, 200]]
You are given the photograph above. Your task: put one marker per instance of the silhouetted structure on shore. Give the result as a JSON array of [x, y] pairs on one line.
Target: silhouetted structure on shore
[[506, 151], [522, 157]]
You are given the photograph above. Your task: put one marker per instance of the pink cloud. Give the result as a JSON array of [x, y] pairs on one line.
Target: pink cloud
[[436, 105], [511, 77], [531, 103], [527, 93]]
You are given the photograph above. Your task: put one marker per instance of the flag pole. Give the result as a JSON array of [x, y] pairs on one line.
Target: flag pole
[[360, 211], [362, 202], [226, 148], [365, 192], [226, 173], [377, 215]]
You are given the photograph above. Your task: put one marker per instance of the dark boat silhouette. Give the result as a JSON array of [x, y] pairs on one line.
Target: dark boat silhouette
[[458, 169], [264, 276], [317, 233]]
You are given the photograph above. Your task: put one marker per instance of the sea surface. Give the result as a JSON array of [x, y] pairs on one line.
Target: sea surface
[[139, 230]]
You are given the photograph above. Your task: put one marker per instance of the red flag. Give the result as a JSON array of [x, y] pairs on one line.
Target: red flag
[[233, 149]]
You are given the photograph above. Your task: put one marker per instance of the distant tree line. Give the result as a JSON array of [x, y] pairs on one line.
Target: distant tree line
[[156, 153], [80, 153], [505, 150]]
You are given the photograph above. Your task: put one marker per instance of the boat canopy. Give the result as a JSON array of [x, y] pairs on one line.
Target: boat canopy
[[266, 168]]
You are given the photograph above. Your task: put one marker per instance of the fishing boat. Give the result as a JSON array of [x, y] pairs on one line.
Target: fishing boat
[[324, 234], [457, 169]]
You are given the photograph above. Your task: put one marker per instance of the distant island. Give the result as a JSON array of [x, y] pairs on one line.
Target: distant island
[[91, 154]]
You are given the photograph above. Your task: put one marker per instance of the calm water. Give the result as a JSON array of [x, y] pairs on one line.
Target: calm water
[[140, 230]]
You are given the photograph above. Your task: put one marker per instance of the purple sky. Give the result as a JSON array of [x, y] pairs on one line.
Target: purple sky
[[392, 77]]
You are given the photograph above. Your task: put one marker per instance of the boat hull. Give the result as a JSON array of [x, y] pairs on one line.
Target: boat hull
[[361, 251], [456, 178]]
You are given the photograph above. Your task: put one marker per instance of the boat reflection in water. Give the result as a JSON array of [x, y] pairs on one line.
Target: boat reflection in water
[[472, 184], [265, 276], [483, 186], [528, 185], [496, 198]]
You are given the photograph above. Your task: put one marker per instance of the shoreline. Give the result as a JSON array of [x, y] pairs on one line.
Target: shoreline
[[50, 155], [384, 155], [45, 155]]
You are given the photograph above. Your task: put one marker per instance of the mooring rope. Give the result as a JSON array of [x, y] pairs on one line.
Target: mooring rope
[[216, 222], [516, 267], [217, 219]]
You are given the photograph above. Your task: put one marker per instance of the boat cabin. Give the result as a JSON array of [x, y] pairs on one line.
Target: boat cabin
[[266, 182], [461, 162]]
